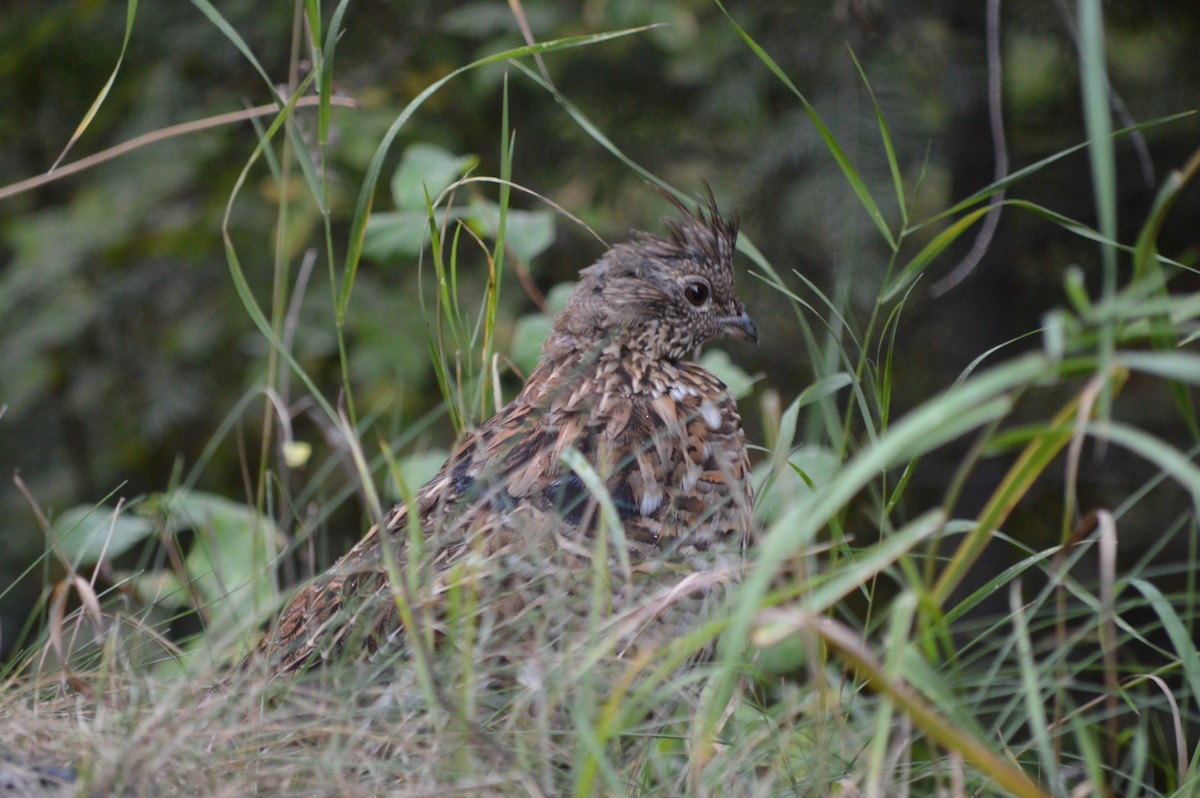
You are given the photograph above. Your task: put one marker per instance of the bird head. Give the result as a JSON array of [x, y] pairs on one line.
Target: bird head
[[662, 296]]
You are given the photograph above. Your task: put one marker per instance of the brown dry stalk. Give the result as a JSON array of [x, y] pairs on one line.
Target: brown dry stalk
[[183, 128]]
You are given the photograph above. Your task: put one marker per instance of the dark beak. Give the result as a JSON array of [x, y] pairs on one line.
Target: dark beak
[[741, 327]]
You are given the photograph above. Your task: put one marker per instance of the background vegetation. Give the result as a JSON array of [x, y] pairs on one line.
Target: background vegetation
[[134, 364]]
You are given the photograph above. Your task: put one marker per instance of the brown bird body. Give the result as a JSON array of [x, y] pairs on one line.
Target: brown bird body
[[663, 434]]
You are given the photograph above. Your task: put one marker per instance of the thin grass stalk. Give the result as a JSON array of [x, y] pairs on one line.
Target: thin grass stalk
[[1098, 121]]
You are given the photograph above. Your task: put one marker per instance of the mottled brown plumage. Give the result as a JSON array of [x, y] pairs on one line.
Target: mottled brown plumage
[[612, 384]]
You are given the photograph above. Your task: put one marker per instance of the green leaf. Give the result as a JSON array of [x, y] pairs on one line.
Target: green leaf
[[529, 333], [530, 233], [419, 468], [719, 363], [86, 532], [527, 233], [230, 564], [398, 235], [532, 329], [809, 467], [426, 168]]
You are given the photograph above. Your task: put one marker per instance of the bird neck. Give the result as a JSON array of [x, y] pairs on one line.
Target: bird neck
[[647, 343], [569, 364]]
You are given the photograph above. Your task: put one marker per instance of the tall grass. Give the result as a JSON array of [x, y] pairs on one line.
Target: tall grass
[[858, 657]]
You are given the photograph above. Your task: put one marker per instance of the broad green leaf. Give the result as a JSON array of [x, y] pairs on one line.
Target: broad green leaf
[[532, 329], [426, 168], [86, 532], [529, 333], [419, 468], [402, 234], [527, 234], [719, 363], [397, 235], [230, 563]]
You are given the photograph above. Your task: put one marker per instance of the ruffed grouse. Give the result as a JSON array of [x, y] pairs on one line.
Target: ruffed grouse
[[613, 384]]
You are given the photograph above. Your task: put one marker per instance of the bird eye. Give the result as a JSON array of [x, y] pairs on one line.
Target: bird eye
[[696, 293]]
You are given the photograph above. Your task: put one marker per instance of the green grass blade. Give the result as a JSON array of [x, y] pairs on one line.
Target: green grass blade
[[1166, 457], [1035, 702], [242, 285], [930, 251], [235, 38], [1175, 366], [596, 134], [130, 15], [926, 716], [325, 86], [496, 267], [1029, 466], [888, 148], [1146, 249], [1181, 639], [1037, 166], [941, 419], [835, 149], [1098, 120], [869, 563]]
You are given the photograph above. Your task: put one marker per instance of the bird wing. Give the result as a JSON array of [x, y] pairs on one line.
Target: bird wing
[[321, 615]]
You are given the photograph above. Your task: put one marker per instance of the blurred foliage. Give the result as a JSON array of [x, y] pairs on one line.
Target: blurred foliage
[[126, 351]]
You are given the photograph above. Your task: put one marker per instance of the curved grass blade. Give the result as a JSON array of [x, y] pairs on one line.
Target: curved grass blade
[[1029, 465], [366, 195], [245, 293], [1146, 250], [1166, 457], [893, 163], [1024, 172], [1031, 688], [235, 38], [835, 149], [130, 15], [1181, 639]]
